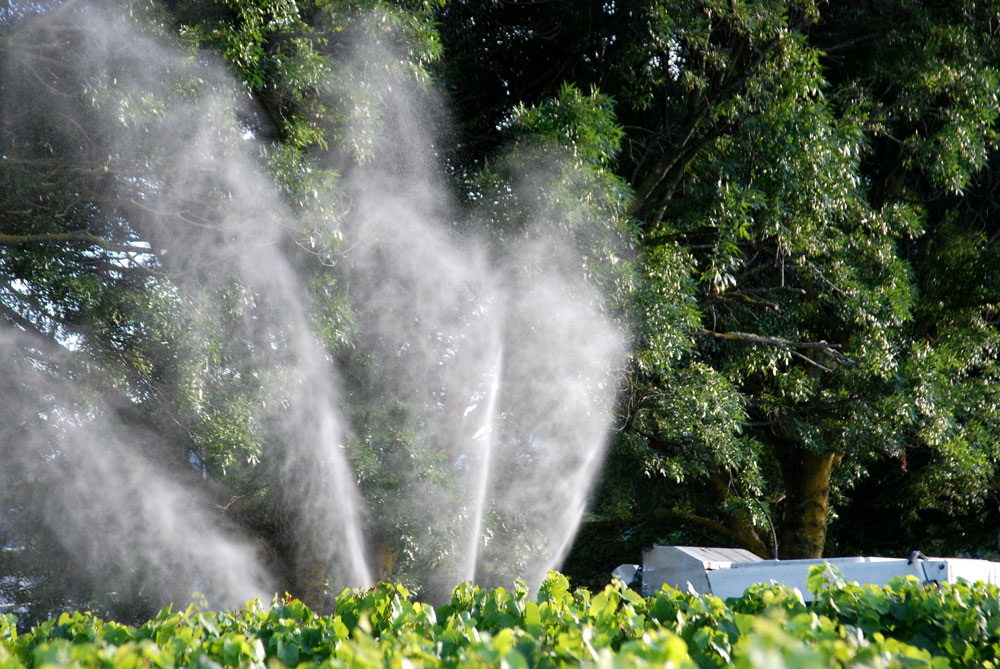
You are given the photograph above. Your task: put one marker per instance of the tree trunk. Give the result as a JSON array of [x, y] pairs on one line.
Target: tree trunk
[[806, 476], [739, 526], [310, 565]]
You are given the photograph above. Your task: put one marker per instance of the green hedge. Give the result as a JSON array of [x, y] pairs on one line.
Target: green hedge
[[904, 625]]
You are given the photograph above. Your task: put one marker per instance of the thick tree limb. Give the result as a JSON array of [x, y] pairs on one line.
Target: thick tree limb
[[829, 350], [73, 237]]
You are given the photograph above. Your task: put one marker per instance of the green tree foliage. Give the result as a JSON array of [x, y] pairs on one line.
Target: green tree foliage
[[109, 289], [806, 177], [798, 219]]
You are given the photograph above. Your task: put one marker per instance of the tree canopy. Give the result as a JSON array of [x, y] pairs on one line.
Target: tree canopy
[[790, 207]]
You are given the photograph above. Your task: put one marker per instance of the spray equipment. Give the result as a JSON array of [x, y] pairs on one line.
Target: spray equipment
[[728, 572]]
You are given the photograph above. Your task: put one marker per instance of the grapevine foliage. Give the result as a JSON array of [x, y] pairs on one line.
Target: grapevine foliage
[[847, 625]]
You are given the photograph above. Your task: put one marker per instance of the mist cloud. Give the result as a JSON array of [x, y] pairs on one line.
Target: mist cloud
[[495, 361]]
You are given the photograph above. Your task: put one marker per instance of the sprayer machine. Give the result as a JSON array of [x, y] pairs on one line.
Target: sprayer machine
[[728, 572]]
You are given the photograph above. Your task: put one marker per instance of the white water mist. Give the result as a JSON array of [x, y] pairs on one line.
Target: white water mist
[[124, 516], [190, 182], [451, 317], [483, 444], [516, 328]]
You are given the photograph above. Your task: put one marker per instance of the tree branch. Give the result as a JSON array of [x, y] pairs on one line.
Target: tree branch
[[72, 237], [829, 350], [850, 42]]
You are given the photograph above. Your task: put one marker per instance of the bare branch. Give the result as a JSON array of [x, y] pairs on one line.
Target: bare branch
[[73, 237], [809, 360], [829, 350], [828, 49]]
